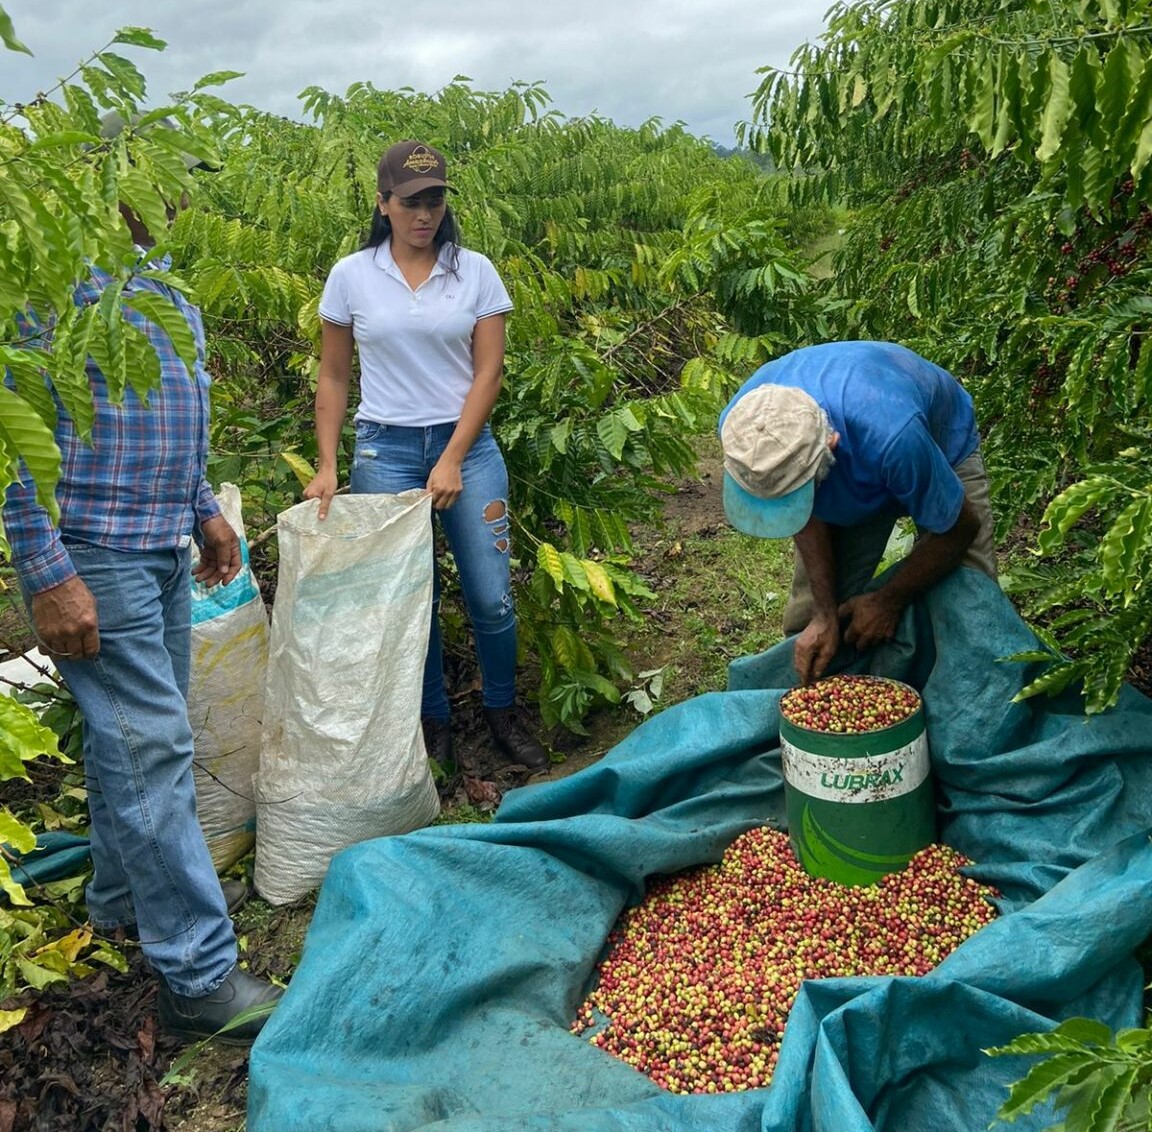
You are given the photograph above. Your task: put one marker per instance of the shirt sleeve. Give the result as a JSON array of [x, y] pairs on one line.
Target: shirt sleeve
[[491, 295], [206, 506], [39, 557], [334, 305], [918, 474]]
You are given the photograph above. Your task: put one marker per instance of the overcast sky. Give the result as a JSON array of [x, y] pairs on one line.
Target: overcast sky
[[681, 60]]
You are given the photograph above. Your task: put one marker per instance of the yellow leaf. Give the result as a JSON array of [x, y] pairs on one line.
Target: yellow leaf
[[300, 467], [10, 1018], [599, 581], [69, 945], [548, 559]]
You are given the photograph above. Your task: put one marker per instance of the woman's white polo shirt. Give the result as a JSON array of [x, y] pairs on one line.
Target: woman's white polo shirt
[[415, 346]]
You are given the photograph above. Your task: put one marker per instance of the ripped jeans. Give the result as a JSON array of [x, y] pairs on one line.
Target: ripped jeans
[[393, 458]]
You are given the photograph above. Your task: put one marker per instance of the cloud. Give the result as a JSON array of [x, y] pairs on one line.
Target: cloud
[[628, 61]]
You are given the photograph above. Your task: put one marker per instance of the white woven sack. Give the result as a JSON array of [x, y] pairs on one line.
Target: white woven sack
[[226, 699], [342, 756]]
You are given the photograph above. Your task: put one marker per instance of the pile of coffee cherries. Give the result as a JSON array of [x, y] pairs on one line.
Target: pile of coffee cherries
[[699, 978], [849, 704]]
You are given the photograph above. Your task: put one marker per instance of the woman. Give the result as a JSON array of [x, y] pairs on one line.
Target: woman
[[427, 317]]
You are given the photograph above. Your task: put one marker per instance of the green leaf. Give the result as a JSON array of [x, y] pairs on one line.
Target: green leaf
[[159, 310], [549, 562], [982, 120], [23, 433], [1068, 507], [1086, 1030], [1096, 1103], [139, 37], [22, 737], [1043, 1079], [615, 428], [217, 78], [62, 138], [15, 892], [574, 573], [37, 976], [1052, 682], [1126, 546], [15, 834], [8, 34], [1057, 109]]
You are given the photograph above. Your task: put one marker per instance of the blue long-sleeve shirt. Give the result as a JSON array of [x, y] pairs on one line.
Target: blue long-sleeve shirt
[[141, 484]]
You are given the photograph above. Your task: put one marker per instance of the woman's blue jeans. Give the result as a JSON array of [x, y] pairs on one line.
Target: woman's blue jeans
[[391, 459], [152, 865]]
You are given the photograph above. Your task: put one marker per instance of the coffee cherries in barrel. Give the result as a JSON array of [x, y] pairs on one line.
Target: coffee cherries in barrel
[[849, 704]]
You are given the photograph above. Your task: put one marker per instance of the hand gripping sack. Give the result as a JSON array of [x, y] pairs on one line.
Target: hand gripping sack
[[342, 756], [226, 699]]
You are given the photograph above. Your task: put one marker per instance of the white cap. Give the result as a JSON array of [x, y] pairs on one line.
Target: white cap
[[774, 438]]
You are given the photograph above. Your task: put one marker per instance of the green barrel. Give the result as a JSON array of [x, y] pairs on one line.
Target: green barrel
[[859, 805]]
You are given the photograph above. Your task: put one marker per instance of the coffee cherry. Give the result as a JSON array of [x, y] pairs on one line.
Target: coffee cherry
[[849, 704], [700, 977]]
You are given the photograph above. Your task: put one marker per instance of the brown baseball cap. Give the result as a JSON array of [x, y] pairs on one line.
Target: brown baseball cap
[[409, 167]]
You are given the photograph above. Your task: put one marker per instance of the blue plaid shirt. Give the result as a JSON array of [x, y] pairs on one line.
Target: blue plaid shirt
[[141, 484]]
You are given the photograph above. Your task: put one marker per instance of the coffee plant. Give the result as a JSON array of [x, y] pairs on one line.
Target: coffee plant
[[994, 157], [1100, 1081], [620, 249]]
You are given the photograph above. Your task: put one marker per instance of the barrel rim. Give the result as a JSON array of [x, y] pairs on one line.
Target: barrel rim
[[877, 731], [856, 744]]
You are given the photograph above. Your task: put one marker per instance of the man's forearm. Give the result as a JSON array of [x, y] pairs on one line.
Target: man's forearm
[[933, 558], [814, 545]]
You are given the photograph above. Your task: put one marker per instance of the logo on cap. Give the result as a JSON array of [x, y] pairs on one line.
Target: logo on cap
[[421, 161]]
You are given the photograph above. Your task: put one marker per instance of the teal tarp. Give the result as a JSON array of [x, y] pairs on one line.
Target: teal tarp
[[442, 968], [56, 855]]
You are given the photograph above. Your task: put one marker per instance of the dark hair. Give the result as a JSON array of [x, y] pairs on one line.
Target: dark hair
[[380, 230]]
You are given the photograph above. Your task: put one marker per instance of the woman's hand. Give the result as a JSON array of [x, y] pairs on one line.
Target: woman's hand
[[322, 487], [445, 483]]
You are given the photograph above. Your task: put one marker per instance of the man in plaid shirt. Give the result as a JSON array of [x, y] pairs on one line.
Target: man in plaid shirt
[[109, 592]]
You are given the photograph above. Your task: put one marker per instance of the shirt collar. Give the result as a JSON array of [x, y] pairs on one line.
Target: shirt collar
[[383, 260]]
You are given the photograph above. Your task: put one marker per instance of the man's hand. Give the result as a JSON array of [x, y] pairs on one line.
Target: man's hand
[[219, 555], [66, 620], [872, 619], [815, 647], [322, 487]]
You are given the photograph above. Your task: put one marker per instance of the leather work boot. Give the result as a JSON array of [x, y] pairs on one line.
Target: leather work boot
[[192, 1019], [236, 894], [438, 740], [513, 741]]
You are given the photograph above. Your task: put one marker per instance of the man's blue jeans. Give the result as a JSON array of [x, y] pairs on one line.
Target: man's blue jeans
[[152, 866], [391, 459]]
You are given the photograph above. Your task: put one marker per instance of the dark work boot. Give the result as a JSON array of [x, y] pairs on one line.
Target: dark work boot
[[512, 740], [195, 1018], [438, 740], [236, 894]]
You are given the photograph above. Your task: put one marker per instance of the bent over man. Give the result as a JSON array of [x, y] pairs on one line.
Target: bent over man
[[830, 445]]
